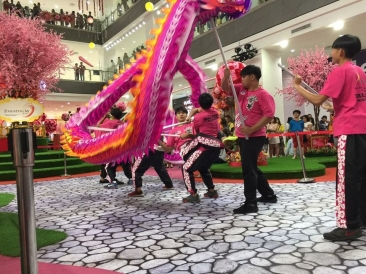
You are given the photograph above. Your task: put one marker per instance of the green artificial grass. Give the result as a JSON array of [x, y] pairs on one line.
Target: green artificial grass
[[6, 198], [9, 231], [279, 168]]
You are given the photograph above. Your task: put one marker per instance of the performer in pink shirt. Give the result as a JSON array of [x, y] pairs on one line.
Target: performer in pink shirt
[[200, 153], [346, 85], [258, 109]]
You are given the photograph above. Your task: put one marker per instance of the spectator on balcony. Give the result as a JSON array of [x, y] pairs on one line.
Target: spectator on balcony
[[6, 6], [119, 9], [120, 63], [72, 19], [79, 21], [77, 72], [126, 60], [62, 17], [67, 19], [35, 11], [27, 12], [113, 67], [19, 9], [323, 124], [82, 71], [53, 17], [90, 21], [125, 5]]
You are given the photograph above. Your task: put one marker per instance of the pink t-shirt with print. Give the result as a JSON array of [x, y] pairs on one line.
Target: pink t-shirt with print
[[207, 122], [177, 142], [112, 124], [346, 85], [254, 105]]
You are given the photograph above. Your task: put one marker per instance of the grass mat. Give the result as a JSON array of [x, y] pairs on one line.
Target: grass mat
[[6, 198], [279, 168], [9, 232]]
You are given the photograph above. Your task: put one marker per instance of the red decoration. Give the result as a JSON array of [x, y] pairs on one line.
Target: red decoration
[[65, 117], [222, 98], [102, 7], [95, 11], [50, 125], [82, 59]]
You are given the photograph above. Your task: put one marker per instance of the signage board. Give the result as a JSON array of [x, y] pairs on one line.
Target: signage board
[[20, 110]]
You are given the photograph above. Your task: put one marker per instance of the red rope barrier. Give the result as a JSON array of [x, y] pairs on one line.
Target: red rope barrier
[[325, 132]]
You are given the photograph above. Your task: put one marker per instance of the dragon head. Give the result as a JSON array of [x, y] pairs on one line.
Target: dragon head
[[233, 8]]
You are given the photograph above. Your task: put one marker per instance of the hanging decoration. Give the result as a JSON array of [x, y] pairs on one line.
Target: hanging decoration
[[95, 10], [91, 45], [79, 4], [149, 6], [102, 6], [82, 6], [87, 5]]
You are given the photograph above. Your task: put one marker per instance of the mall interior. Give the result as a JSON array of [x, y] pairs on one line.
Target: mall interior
[[83, 227]]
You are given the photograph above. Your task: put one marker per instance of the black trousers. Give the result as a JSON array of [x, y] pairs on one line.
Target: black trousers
[[155, 159], [127, 170], [253, 177], [351, 181], [103, 171], [199, 160]]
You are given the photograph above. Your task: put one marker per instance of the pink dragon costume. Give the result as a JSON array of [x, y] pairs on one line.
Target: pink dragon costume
[[150, 80]]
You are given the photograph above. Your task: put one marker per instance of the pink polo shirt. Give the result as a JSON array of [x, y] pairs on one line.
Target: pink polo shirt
[[177, 142], [207, 122], [346, 85], [254, 105]]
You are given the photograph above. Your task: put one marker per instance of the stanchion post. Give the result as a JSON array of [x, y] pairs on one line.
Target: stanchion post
[[22, 148], [304, 180], [65, 167]]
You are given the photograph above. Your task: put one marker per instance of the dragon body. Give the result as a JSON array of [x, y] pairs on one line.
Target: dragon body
[[150, 80]]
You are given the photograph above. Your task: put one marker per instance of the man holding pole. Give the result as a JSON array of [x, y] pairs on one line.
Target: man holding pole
[[257, 108]]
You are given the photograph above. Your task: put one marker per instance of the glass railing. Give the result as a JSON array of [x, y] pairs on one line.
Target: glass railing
[[90, 75], [117, 12], [222, 18]]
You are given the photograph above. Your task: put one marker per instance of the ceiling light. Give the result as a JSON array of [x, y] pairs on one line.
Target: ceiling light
[[117, 41], [80, 11], [123, 48], [130, 33], [123, 37], [126, 34], [140, 26], [90, 51], [283, 43], [56, 6], [134, 41], [137, 28], [292, 50], [143, 22], [213, 66], [133, 30], [62, 106], [167, 5], [338, 25], [158, 12], [30, 1], [68, 103]]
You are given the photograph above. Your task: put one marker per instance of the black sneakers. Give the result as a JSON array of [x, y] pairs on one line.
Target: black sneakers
[[271, 199], [246, 209], [342, 234]]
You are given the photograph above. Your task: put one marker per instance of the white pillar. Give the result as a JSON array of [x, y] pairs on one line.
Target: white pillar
[[272, 79]]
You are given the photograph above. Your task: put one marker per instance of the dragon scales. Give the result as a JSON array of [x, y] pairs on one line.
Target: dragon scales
[[150, 80]]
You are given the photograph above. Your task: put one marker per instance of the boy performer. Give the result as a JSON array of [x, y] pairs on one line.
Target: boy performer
[[200, 153], [258, 108], [346, 85], [155, 158]]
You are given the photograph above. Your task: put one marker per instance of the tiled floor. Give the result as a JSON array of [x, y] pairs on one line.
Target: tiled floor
[[159, 234]]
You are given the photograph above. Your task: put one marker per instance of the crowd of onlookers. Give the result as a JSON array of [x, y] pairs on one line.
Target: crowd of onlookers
[[74, 20]]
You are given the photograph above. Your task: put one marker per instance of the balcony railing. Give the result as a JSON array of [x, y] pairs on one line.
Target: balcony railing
[[90, 75]]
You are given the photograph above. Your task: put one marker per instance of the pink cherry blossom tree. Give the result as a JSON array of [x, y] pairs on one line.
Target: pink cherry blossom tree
[[313, 66], [30, 56]]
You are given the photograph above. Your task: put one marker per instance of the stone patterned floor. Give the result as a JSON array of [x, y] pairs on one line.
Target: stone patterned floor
[[158, 234]]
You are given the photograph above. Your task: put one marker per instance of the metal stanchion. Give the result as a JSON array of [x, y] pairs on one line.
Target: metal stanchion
[[22, 148], [65, 167], [304, 180]]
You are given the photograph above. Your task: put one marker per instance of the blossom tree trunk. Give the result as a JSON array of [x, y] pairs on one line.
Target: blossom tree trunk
[[316, 117]]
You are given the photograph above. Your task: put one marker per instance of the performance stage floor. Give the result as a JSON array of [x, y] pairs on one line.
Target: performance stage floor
[[159, 234]]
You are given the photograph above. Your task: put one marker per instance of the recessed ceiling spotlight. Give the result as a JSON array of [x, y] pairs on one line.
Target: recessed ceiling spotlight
[[134, 42], [167, 5], [338, 25], [130, 33], [62, 106], [292, 50], [123, 48], [123, 37], [143, 22], [180, 85], [126, 34], [158, 12], [68, 103], [56, 7], [117, 41], [140, 26], [137, 28], [133, 30]]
